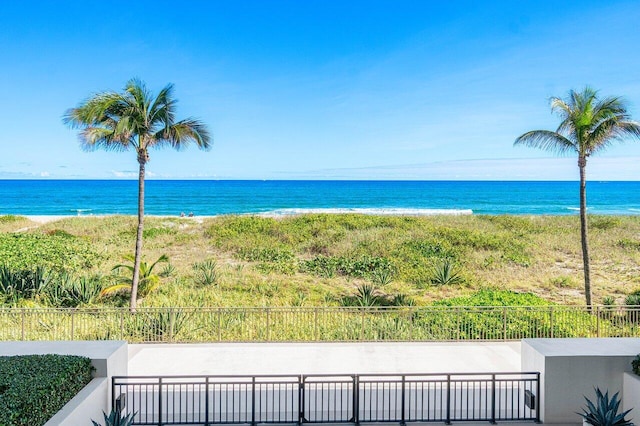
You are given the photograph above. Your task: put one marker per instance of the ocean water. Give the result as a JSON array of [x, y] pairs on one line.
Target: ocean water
[[166, 197]]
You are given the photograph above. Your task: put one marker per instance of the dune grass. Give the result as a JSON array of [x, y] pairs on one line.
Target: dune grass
[[318, 260]]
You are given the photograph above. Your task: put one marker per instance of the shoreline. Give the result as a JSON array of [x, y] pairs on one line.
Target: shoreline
[[275, 214]]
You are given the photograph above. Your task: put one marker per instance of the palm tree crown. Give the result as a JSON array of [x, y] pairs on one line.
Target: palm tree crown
[[588, 125], [133, 119]]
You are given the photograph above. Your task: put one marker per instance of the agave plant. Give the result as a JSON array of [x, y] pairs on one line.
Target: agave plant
[[148, 280], [206, 272], [605, 411], [115, 418], [445, 273]]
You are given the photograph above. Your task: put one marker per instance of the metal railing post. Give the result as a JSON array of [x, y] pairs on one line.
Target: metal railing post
[[113, 393], [122, 325], [402, 402], [551, 320], [448, 420], [538, 398], [22, 323], [73, 317], [206, 401], [315, 325], [493, 399], [160, 401], [172, 323], [268, 324], [504, 323], [598, 321], [219, 324], [253, 400], [300, 399], [356, 399]]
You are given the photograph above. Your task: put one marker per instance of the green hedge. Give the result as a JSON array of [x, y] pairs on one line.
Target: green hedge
[[33, 388]]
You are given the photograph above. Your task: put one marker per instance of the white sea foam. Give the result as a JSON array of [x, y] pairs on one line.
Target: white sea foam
[[369, 211], [576, 209]]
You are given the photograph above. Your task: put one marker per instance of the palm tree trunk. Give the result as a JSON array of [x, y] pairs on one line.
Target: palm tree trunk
[[582, 164], [138, 255]]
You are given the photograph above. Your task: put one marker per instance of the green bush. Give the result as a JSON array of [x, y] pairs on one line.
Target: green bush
[[265, 254], [57, 251], [155, 232], [628, 244], [362, 267], [35, 387], [603, 223], [635, 365], [489, 297]]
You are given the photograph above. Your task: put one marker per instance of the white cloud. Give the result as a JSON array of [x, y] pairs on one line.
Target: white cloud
[[124, 174]]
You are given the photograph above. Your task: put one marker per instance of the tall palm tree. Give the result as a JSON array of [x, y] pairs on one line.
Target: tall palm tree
[[589, 125], [134, 120]]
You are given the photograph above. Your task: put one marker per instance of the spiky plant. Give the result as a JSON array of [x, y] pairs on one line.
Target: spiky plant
[[445, 273], [115, 418], [605, 411]]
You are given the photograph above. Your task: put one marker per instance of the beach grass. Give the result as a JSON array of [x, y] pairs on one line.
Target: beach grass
[[325, 259]]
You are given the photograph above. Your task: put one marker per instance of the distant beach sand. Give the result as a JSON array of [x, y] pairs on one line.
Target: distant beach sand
[[43, 219]]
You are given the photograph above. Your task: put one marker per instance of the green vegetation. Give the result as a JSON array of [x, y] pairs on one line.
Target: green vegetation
[[116, 418], [135, 120], [315, 260], [35, 387], [589, 125], [55, 249]]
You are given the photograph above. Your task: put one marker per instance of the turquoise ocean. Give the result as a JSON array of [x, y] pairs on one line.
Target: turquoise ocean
[[203, 197]]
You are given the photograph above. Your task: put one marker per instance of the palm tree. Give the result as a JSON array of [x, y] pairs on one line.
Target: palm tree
[[589, 125], [135, 120]]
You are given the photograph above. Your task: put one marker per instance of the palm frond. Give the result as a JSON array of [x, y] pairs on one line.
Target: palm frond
[[162, 109], [184, 132], [162, 259], [116, 288], [547, 141]]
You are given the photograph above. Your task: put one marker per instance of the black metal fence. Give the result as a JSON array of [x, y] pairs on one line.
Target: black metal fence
[[365, 398], [297, 324]]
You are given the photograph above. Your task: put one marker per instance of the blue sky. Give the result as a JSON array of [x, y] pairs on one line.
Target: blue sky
[[320, 89]]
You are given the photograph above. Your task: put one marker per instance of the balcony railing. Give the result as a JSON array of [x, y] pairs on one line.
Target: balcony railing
[[211, 400], [319, 324]]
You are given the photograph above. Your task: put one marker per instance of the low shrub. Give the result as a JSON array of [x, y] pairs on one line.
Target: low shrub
[[362, 267], [635, 365], [54, 251], [603, 223], [35, 387], [628, 244], [490, 297], [264, 254], [156, 232]]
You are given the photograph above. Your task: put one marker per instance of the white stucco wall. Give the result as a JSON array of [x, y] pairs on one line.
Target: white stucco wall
[[571, 368], [631, 395]]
